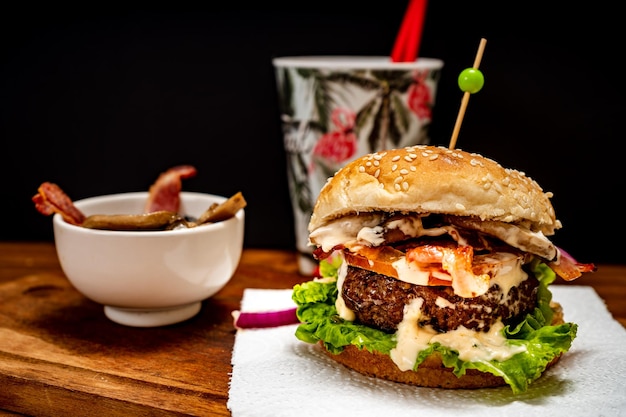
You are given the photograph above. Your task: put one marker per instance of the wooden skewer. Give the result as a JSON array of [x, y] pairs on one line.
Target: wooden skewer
[[466, 96], [479, 53]]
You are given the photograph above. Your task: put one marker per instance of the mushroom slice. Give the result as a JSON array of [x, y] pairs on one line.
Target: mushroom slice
[[223, 211], [157, 220]]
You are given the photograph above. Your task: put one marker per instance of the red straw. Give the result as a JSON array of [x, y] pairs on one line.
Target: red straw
[[408, 40]]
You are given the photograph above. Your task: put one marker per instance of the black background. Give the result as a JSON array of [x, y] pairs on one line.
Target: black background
[[102, 100]]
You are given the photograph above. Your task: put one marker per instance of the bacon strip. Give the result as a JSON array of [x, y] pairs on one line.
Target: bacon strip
[[164, 193], [52, 199], [380, 260], [455, 261], [569, 268]]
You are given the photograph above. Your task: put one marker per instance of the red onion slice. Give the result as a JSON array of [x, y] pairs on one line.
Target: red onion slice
[[264, 319]]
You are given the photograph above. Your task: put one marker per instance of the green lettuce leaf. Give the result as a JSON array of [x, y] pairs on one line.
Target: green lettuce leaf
[[320, 322]]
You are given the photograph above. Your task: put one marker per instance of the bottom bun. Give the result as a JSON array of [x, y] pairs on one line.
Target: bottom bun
[[430, 373]]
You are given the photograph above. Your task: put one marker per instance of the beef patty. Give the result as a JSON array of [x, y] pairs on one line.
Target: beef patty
[[378, 301]]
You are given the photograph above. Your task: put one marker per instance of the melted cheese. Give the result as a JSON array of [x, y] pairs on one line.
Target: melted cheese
[[471, 345], [510, 273], [411, 273], [476, 346], [366, 228], [343, 230], [410, 339], [372, 235], [443, 303], [505, 269], [409, 225], [343, 310]]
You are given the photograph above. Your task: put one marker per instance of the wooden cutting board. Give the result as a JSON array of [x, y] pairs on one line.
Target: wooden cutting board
[[59, 354]]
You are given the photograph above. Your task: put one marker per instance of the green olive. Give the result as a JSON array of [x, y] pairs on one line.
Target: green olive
[[471, 80]]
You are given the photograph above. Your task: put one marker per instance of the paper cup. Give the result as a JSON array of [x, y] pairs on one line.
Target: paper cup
[[335, 109]]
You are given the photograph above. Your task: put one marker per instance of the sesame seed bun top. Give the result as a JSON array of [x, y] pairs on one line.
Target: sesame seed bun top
[[435, 179]]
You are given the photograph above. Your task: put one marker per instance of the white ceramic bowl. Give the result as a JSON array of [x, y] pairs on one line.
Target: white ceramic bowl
[[149, 278]]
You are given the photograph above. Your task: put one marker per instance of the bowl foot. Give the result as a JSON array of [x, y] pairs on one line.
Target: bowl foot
[[145, 317]]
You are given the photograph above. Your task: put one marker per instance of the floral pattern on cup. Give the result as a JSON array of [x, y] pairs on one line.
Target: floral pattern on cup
[[420, 98], [336, 147], [331, 116]]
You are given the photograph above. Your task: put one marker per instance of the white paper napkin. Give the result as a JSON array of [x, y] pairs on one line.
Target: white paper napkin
[[275, 374]]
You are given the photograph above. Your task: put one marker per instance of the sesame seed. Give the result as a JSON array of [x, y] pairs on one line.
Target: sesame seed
[[398, 179], [376, 163], [433, 157], [413, 168], [459, 206], [368, 163], [396, 158], [377, 156], [405, 186], [377, 173], [394, 167], [397, 187], [404, 171], [361, 168]]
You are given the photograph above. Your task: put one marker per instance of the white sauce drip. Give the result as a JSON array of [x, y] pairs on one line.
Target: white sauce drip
[[411, 273], [471, 345], [343, 311], [510, 273], [443, 303], [349, 230], [410, 339], [505, 270], [343, 230], [479, 346]]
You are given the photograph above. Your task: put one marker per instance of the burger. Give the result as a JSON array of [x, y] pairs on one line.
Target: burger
[[434, 268]]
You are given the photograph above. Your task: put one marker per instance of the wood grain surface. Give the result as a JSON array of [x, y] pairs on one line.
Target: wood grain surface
[[59, 354]]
